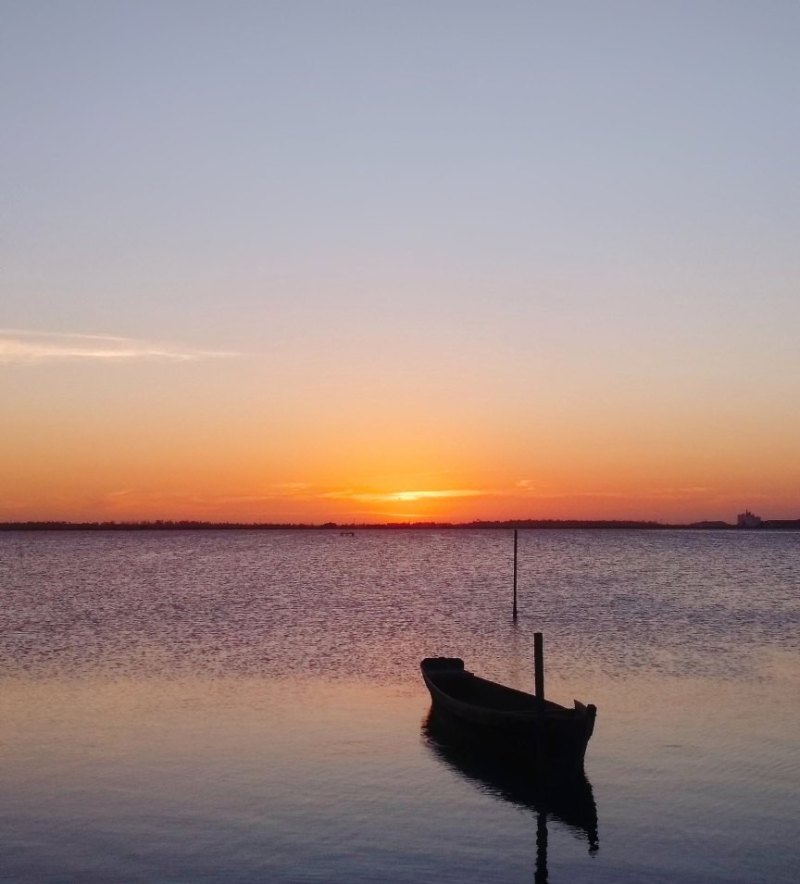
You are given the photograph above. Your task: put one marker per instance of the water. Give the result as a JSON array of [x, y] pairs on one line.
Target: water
[[246, 706]]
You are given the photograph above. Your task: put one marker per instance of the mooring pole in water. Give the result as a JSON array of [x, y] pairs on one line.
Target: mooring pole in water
[[515, 574]]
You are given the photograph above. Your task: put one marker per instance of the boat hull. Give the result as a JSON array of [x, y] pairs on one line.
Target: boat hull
[[507, 719]]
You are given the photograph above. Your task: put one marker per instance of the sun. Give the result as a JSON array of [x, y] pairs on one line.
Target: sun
[[406, 495]]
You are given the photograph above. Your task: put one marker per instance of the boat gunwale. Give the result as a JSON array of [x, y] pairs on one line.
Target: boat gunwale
[[552, 711]]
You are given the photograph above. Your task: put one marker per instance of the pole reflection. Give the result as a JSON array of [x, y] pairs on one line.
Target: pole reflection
[[565, 797]]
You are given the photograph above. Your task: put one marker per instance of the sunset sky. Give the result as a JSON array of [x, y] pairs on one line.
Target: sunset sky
[[386, 261]]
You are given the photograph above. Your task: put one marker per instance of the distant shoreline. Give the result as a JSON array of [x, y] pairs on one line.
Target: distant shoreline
[[533, 524]]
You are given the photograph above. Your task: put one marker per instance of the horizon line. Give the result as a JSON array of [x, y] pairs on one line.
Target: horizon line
[[199, 524]]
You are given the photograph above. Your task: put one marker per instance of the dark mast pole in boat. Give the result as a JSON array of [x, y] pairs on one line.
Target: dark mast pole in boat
[[515, 574], [538, 669], [538, 675]]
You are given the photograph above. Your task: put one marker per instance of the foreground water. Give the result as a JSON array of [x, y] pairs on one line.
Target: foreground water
[[246, 706]]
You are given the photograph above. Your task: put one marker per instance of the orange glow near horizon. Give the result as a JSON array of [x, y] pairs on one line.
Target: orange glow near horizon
[[93, 499], [141, 445]]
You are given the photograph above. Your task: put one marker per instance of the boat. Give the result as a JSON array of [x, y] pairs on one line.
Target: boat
[[511, 720]]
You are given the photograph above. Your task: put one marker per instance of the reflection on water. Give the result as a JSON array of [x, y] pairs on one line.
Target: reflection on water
[[245, 706], [567, 798], [307, 603]]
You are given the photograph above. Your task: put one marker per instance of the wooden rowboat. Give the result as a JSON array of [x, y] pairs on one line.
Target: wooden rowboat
[[512, 720]]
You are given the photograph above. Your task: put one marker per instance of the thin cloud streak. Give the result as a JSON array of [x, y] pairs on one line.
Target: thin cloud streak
[[20, 347], [401, 496]]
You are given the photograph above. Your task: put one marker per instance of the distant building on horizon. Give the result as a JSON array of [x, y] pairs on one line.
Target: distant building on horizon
[[748, 520]]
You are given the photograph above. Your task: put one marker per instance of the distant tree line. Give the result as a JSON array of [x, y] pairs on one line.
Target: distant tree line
[[194, 525]]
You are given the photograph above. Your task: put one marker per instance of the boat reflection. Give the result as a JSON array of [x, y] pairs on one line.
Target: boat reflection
[[566, 798]]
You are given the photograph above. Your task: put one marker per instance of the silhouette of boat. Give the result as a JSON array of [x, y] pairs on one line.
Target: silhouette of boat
[[549, 793], [512, 720]]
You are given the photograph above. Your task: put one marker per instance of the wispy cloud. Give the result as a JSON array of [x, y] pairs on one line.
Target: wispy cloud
[[278, 491], [525, 488], [679, 493], [22, 347], [402, 496]]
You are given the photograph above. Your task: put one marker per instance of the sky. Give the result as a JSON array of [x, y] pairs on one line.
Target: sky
[[397, 261]]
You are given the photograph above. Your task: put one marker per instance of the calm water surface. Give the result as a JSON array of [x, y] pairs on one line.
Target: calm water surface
[[246, 706]]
